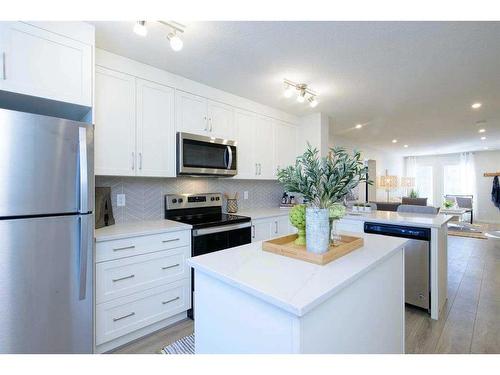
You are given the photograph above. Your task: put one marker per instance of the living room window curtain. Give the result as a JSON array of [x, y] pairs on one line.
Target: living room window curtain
[[411, 166], [468, 176]]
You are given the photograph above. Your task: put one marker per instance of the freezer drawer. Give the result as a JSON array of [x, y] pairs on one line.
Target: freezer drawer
[[417, 280], [46, 165], [46, 285]]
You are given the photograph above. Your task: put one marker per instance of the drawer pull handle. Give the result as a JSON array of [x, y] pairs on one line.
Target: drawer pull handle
[[124, 248], [172, 266], [170, 300], [172, 240], [123, 317], [123, 278]]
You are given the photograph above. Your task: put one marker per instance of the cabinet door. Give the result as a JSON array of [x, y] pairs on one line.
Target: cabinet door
[[220, 120], [264, 147], [261, 230], [191, 113], [114, 123], [285, 140], [155, 130], [245, 134], [39, 63], [281, 226]]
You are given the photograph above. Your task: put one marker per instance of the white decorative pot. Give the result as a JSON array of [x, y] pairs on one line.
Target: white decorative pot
[[317, 229]]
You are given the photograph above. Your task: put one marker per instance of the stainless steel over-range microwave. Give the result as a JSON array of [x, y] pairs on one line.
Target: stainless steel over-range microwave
[[206, 156]]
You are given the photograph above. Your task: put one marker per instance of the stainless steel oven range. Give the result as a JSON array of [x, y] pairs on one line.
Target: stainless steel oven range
[[212, 230]]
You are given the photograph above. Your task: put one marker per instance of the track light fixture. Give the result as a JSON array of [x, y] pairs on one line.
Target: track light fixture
[[176, 28], [140, 28], [303, 92]]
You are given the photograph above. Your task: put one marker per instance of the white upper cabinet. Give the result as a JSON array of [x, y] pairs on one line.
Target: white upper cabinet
[[198, 115], [285, 152], [220, 120], [114, 123], [40, 63], [191, 113], [245, 132], [264, 147], [255, 137], [155, 130], [134, 127]]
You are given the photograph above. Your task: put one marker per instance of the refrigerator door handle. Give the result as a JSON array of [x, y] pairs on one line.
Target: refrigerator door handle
[[84, 178], [83, 253]]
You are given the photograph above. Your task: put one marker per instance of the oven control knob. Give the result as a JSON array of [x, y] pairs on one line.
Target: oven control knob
[[180, 200], [174, 200], [217, 198], [212, 199]]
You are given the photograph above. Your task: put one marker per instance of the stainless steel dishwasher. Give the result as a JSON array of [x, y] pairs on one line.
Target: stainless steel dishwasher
[[417, 260]]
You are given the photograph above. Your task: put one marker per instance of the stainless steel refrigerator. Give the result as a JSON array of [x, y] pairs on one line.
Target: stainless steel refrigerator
[[46, 234]]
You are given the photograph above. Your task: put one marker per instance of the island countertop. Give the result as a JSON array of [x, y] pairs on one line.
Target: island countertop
[[401, 218], [293, 285]]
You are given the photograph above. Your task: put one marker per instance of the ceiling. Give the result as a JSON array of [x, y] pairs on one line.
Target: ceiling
[[410, 81]]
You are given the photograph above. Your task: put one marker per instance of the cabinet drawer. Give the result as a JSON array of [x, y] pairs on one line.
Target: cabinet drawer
[[124, 315], [121, 277], [126, 247]]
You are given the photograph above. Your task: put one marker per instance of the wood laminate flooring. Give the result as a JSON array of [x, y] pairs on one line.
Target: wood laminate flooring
[[471, 323]]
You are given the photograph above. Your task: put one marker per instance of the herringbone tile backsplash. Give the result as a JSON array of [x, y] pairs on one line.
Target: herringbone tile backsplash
[[145, 201]]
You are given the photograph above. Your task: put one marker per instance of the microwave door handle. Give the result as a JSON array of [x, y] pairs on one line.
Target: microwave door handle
[[230, 157]]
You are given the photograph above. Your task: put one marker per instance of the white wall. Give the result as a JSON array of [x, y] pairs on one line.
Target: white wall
[[314, 129], [486, 161], [385, 160]]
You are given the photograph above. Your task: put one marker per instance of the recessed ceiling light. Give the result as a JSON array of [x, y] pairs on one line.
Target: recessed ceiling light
[[140, 28], [405, 146], [476, 105], [483, 138], [394, 141], [481, 130], [358, 126]]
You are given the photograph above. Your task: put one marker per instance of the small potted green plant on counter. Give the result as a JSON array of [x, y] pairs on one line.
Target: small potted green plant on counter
[[448, 204], [323, 182]]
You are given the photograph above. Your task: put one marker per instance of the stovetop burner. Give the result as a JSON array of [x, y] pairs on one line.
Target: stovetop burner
[[199, 210]]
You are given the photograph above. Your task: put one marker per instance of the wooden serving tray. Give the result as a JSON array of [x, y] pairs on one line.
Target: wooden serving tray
[[285, 246]]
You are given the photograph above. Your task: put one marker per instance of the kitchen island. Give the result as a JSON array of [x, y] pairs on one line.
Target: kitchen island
[[438, 254], [251, 301]]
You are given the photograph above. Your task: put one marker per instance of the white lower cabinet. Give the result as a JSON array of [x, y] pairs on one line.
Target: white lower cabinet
[[142, 284], [266, 228]]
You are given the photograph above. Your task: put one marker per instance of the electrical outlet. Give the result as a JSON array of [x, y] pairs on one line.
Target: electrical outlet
[[245, 195], [120, 200]]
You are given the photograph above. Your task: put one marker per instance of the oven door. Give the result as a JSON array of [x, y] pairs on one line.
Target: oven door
[[212, 239], [200, 155]]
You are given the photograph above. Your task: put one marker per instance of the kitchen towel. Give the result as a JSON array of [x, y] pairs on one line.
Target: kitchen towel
[[495, 192]]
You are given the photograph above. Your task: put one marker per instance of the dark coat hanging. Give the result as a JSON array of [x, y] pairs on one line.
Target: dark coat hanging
[[495, 192]]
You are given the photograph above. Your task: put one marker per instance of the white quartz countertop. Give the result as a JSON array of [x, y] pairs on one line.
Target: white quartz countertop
[[290, 284], [401, 218], [140, 228], [263, 213]]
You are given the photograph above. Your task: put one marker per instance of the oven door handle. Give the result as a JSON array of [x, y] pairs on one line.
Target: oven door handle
[[223, 228], [229, 157]]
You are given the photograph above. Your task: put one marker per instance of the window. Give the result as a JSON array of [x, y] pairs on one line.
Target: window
[[423, 182], [451, 180]]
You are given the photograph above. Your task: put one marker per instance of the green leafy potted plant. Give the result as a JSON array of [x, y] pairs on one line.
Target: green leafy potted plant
[[413, 194], [322, 181], [448, 203]]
